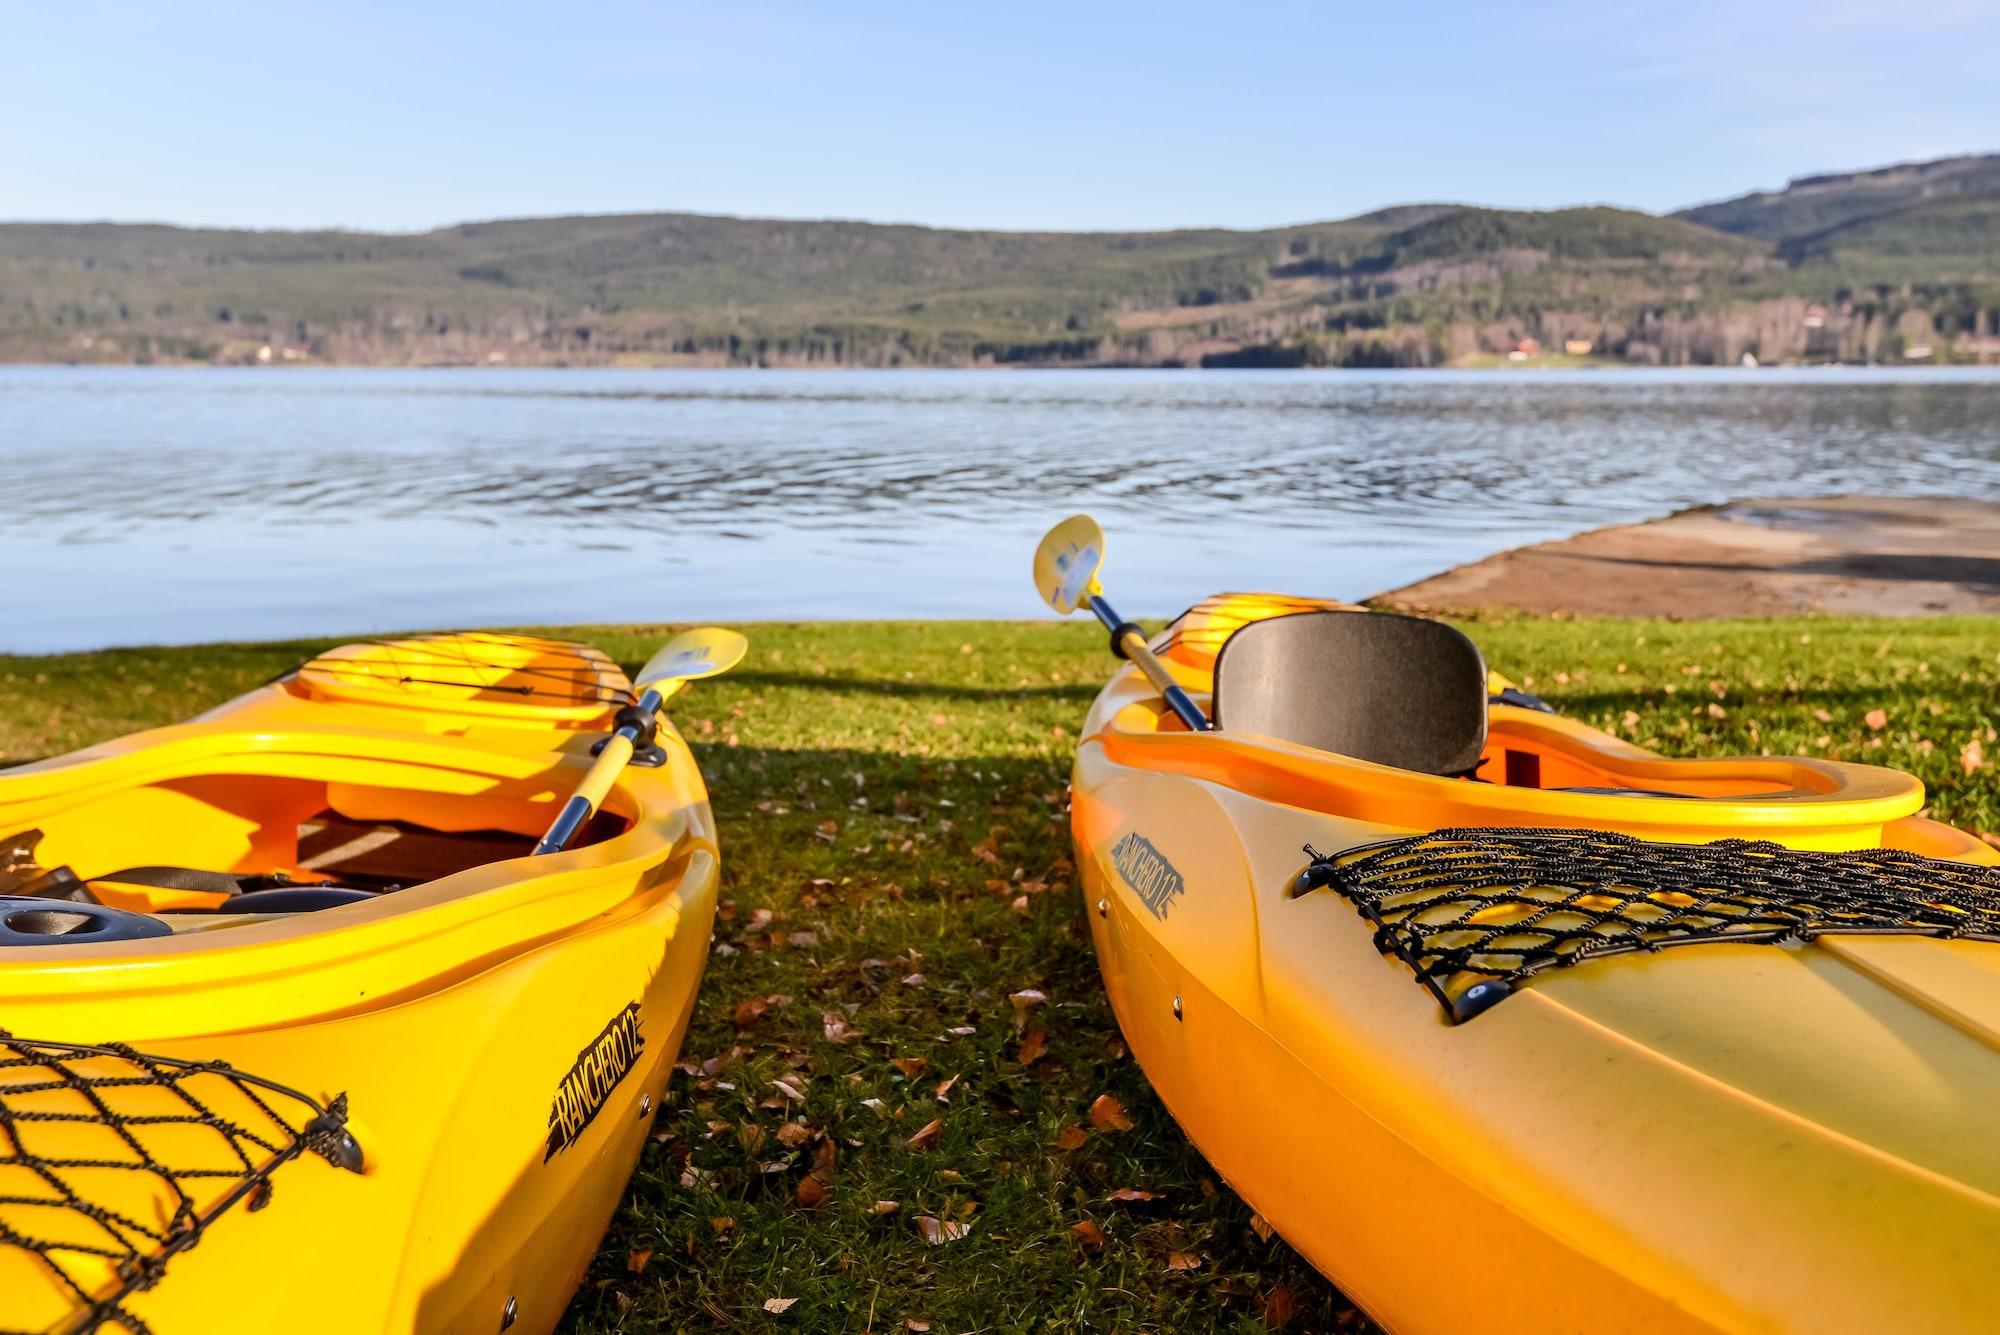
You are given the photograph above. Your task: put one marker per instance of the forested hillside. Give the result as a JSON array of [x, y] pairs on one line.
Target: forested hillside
[[1899, 264]]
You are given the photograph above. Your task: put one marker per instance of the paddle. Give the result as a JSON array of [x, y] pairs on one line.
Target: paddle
[[687, 657], [1066, 566]]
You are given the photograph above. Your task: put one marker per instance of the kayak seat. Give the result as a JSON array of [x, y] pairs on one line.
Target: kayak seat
[[1377, 686]]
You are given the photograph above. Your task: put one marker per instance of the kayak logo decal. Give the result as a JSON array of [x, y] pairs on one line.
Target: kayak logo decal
[[1148, 872], [585, 1088]]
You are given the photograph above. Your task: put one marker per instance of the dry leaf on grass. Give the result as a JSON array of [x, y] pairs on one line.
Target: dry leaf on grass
[[1183, 1261], [794, 1134], [1260, 1228], [1279, 1307], [943, 1093], [1033, 1046], [778, 1305], [811, 1192], [1876, 719], [938, 1231], [911, 1067], [926, 1135], [1088, 1233], [885, 1207], [1972, 757], [638, 1260], [1071, 1138], [1023, 1002], [1108, 1114], [1133, 1194]]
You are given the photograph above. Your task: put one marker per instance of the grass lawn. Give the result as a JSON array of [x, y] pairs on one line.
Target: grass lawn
[[897, 874]]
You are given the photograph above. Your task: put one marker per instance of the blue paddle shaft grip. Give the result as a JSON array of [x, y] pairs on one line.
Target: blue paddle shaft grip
[[1183, 704], [574, 813]]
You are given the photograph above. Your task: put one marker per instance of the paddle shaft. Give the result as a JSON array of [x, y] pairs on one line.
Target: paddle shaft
[[597, 779], [1131, 644]]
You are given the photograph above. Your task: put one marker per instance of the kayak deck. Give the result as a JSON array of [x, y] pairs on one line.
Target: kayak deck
[[1792, 1134], [496, 1027]]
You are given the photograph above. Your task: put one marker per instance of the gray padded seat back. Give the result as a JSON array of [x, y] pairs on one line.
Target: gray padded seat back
[[1394, 690]]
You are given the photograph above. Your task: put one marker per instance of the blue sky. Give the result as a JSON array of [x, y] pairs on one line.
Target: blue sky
[[1031, 115]]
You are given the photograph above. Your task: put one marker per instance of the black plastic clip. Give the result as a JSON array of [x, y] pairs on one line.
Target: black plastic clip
[[644, 726], [1118, 633]]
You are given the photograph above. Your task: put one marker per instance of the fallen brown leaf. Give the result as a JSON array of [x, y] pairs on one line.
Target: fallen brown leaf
[[637, 1261], [1033, 1046], [1088, 1233], [1023, 1002], [778, 1305], [1279, 1307], [1108, 1114], [1183, 1261], [1071, 1138], [1133, 1194], [926, 1135], [943, 1094], [794, 1134], [810, 1192], [938, 1231], [911, 1067], [885, 1207]]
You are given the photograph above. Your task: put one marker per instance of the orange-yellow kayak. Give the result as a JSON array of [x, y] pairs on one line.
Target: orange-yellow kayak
[[440, 1053], [1529, 1045]]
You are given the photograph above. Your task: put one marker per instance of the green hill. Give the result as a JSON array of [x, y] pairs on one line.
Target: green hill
[[1818, 271], [1813, 204]]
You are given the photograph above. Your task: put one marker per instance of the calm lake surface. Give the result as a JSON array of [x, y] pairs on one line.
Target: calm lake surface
[[176, 505]]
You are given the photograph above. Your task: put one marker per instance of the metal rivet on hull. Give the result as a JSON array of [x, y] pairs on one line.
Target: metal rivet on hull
[[1103, 907], [645, 1104], [509, 1312], [1177, 1006]]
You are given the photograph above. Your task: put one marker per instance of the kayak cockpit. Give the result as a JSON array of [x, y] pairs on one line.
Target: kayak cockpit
[[245, 826], [1396, 720]]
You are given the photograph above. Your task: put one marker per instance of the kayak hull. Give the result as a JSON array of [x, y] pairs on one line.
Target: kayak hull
[[1718, 1137], [500, 1034]]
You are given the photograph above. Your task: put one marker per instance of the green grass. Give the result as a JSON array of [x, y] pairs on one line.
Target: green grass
[[897, 866]]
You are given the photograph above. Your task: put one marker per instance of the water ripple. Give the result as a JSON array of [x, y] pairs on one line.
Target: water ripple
[[189, 504]]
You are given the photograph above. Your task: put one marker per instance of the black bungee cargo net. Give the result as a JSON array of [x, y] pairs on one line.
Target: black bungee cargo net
[[113, 1162], [1475, 912]]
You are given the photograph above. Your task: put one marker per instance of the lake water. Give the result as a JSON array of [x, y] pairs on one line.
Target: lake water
[[174, 505]]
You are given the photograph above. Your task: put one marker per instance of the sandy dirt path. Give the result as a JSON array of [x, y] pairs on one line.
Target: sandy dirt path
[[1871, 555]]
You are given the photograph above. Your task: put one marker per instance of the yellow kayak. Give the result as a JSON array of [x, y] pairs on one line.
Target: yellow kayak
[[1507, 1025], [297, 1035]]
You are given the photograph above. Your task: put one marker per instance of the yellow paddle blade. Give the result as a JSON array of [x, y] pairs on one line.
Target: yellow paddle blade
[[1067, 562], [691, 655]]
